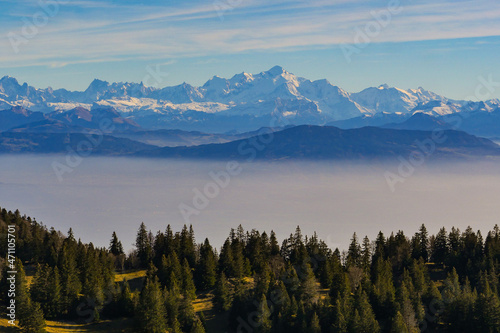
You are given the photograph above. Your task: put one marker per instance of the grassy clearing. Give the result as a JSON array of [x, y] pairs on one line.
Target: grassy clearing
[[134, 278]]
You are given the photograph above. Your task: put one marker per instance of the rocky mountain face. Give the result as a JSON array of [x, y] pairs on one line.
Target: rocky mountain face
[[244, 102]]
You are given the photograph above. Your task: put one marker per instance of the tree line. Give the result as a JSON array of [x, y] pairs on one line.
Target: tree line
[[447, 282]]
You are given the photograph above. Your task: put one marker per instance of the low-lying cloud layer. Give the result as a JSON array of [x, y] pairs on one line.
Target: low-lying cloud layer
[[104, 195]]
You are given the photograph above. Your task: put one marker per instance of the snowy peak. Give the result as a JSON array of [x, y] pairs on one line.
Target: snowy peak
[[276, 70], [237, 102]]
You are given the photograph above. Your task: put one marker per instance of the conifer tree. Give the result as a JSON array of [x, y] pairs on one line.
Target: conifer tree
[[263, 320], [368, 322], [307, 288], [197, 327], [274, 246], [488, 310], [366, 255], [126, 301], [354, 252], [222, 294], [398, 324], [54, 301], [314, 326], [28, 313], [115, 246], [70, 282], [187, 281], [143, 245], [151, 308], [206, 273], [341, 316]]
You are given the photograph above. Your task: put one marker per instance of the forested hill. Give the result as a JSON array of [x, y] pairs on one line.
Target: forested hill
[[448, 282]]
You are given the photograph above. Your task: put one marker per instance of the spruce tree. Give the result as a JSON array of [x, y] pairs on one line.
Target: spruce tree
[[398, 324], [143, 245], [314, 326], [70, 282], [28, 313], [188, 287], [263, 320], [206, 273], [222, 294], [151, 308], [54, 301], [115, 246], [354, 252]]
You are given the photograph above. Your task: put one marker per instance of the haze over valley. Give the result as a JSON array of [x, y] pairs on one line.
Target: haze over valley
[[334, 199]]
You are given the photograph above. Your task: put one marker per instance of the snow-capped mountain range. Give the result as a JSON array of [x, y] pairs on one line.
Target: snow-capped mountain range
[[243, 102]]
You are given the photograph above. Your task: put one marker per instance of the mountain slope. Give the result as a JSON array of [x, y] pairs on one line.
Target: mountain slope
[[420, 122], [45, 143], [243, 102], [316, 142]]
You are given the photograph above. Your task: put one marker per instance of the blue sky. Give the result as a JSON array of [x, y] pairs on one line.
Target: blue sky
[[444, 46]]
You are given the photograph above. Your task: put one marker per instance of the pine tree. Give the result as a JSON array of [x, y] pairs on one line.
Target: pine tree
[[263, 321], [187, 315], [354, 252], [54, 301], [307, 289], [280, 298], [197, 327], [115, 246], [206, 274], [262, 281], [383, 289], [151, 308], [275, 248], [398, 324], [315, 326], [70, 282], [188, 287], [362, 306], [366, 255], [488, 310], [126, 301], [40, 284], [341, 312], [29, 314], [143, 245], [222, 294]]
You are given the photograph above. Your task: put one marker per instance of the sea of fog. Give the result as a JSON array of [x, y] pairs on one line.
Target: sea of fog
[[102, 195]]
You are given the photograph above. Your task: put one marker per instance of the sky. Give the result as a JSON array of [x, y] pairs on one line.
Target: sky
[[449, 47]]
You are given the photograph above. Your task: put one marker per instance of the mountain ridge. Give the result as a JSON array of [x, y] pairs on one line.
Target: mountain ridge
[[256, 98]]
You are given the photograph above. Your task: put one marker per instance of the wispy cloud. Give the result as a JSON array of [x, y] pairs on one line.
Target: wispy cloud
[[86, 31]]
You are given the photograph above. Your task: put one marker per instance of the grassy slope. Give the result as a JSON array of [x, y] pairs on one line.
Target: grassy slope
[[216, 322]]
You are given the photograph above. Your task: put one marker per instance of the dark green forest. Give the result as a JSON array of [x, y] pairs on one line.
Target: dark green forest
[[447, 282]]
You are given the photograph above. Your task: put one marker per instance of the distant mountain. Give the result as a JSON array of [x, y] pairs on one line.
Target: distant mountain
[[377, 120], [244, 102], [96, 118], [319, 143], [61, 143], [47, 126], [18, 116], [75, 120], [175, 138], [480, 123], [420, 122]]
